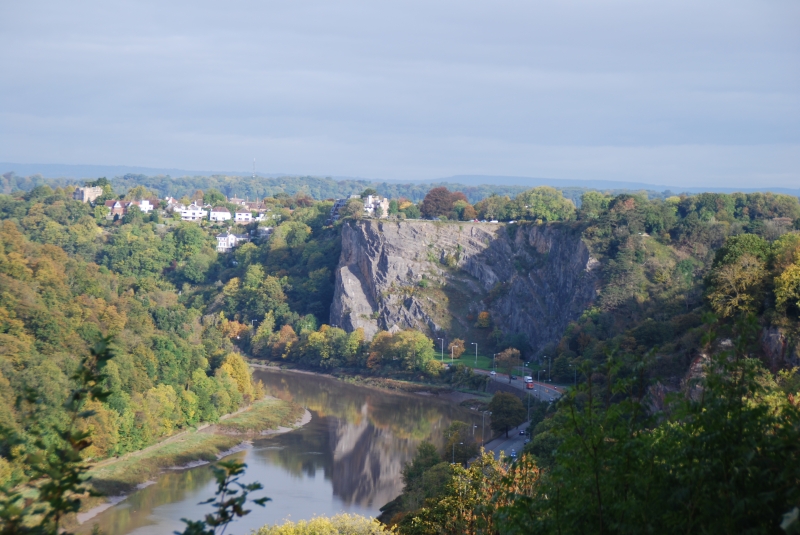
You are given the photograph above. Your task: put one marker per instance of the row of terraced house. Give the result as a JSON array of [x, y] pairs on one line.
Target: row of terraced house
[[219, 214]]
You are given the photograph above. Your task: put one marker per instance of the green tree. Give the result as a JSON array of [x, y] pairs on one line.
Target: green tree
[[507, 412], [137, 193], [735, 287], [508, 361], [423, 478], [724, 459], [369, 191], [787, 288], [413, 348], [189, 240], [470, 501], [738, 246], [497, 207], [460, 445], [593, 204], [412, 212], [214, 197], [354, 209], [58, 472], [133, 216], [545, 203]]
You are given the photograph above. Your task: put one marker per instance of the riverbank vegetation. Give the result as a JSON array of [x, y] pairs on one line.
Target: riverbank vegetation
[[119, 476], [264, 415], [124, 475]]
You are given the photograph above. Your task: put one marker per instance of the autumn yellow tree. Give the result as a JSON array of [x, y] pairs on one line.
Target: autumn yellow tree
[[508, 361], [456, 348], [484, 320], [735, 287], [237, 368], [787, 288]]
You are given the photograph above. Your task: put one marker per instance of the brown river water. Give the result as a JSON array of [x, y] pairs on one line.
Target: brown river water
[[347, 459]]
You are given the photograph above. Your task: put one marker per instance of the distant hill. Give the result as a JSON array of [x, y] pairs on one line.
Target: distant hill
[[57, 170], [531, 182], [179, 182]]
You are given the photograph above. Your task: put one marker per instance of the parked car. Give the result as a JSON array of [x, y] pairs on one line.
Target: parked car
[[492, 373], [513, 454], [513, 377], [521, 431]]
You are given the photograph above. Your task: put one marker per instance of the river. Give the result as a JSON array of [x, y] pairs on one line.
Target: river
[[347, 459]]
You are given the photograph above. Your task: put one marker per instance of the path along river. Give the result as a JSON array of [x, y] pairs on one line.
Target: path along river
[[347, 459]]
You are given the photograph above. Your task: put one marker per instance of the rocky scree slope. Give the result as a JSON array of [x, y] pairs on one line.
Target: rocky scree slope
[[437, 277]]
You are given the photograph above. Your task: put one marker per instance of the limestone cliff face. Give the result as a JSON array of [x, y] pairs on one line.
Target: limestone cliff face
[[437, 277]]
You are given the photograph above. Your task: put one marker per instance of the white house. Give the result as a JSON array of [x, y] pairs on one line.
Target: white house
[[193, 213], [172, 204], [144, 205], [227, 241], [373, 202], [219, 213], [243, 216]]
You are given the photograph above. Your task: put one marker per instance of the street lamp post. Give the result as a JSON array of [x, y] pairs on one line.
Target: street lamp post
[[493, 366], [575, 369], [454, 451], [549, 366], [476, 352]]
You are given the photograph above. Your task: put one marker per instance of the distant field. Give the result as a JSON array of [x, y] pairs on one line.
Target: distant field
[[484, 363]]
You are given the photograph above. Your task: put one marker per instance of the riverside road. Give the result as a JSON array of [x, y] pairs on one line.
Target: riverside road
[[542, 391], [516, 441]]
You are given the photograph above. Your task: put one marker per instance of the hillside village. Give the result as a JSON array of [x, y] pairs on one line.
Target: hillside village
[[237, 211]]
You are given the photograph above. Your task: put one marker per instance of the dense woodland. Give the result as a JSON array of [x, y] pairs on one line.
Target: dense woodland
[[689, 283]]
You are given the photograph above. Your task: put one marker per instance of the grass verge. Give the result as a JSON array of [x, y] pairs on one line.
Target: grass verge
[[123, 476], [267, 414]]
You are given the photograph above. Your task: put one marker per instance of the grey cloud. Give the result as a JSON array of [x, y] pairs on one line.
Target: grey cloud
[[651, 91]]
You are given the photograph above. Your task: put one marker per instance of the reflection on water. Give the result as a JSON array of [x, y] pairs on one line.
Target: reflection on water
[[348, 458]]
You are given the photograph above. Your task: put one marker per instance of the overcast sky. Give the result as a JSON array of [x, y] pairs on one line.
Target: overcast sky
[[674, 92]]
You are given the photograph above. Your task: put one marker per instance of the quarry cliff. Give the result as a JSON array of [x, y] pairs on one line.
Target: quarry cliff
[[437, 277]]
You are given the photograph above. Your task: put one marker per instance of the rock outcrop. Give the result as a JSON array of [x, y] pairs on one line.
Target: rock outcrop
[[438, 277]]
